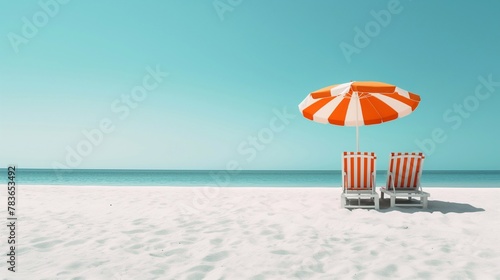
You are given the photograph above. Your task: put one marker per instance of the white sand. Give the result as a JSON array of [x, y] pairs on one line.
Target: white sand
[[250, 233]]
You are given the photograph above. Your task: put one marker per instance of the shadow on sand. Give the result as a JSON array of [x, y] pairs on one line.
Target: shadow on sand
[[444, 207]]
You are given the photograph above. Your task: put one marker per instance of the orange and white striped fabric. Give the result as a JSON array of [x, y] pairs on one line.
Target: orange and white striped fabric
[[358, 103], [358, 171], [405, 169]]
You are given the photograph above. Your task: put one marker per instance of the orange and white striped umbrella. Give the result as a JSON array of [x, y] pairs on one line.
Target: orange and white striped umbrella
[[358, 103]]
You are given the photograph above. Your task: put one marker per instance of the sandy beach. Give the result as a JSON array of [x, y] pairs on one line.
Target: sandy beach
[[90, 232]]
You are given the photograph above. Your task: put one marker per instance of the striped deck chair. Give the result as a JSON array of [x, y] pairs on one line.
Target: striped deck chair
[[358, 180], [403, 179]]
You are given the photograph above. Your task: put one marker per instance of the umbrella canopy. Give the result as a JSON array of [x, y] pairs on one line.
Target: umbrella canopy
[[358, 103]]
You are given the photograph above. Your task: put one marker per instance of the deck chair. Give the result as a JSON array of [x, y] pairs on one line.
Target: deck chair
[[358, 180], [403, 179]]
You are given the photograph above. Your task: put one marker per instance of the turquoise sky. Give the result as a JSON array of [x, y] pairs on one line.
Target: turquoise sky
[[76, 88]]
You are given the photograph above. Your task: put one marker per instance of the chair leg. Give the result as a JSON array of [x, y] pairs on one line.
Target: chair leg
[[377, 206], [424, 202], [393, 201], [382, 195]]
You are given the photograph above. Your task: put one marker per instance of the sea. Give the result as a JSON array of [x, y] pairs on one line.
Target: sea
[[244, 178]]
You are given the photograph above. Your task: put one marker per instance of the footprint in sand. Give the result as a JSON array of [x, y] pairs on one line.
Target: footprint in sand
[[281, 252], [388, 270], [190, 224], [201, 268], [358, 248], [275, 226], [279, 237], [153, 240], [134, 231], [62, 273], [200, 271], [258, 277], [75, 242], [266, 232], [224, 222], [196, 276], [74, 266], [162, 232], [433, 262], [157, 272], [174, 252], [320, 255], [303, 274], [136, 246], [47, 245], [211, 231], [23, 250], [216, 256], [216, 241], [424, 275], [446, 249], [39, 239], [157, 255], [139, 221], [486, 254], [186, 242], [463, 275], [98, 263]]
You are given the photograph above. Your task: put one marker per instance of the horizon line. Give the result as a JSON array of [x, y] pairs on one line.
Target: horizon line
[[229, 171]]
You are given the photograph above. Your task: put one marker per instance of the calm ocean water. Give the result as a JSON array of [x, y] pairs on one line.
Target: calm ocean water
[[489, 179]]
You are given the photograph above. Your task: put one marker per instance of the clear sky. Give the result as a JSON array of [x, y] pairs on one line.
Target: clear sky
[[214, 85]]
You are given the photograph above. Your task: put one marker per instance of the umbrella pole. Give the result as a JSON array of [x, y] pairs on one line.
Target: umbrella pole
[[357, 137], [357, 120]]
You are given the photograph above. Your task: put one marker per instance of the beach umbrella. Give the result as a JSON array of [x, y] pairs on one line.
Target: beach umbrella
[[358, 104]]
